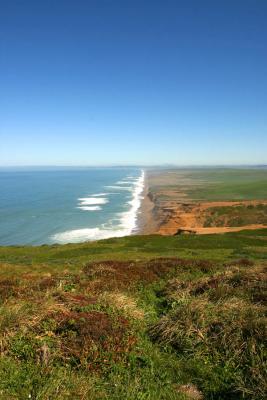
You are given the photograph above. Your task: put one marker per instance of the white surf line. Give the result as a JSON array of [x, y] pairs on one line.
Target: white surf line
[[114, 187], [128, 221], [90, 208], [102, 194], [129, 218], [99, 194], [82, 235], [92, 200], [125, 182]]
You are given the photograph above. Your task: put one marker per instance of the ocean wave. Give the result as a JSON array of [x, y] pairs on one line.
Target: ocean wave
[[87, 234], [92, 200], [126, 221], [100, 194], [129, 218], [124, 182], [90, 208], [119, 187]]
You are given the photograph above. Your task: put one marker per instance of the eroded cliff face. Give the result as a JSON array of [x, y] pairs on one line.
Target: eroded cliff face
[[181, 201], [172, 216]]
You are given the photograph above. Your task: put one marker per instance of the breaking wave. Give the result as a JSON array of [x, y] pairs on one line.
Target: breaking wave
[[126, 224], [116, 187], [90, 208], [92, 200]]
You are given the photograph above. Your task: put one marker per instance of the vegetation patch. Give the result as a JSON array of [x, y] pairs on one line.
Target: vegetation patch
[[239, 215], [91, 339], [217, 327], [159, 318]]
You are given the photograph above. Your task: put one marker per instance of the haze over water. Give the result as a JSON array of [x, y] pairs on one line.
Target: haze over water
[[62, 205]]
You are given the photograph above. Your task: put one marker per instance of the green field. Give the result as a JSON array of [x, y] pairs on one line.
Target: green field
[[225, 184], [140, 317], [211, 184]]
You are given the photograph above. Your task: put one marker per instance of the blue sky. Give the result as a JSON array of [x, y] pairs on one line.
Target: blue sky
[[133, 82]]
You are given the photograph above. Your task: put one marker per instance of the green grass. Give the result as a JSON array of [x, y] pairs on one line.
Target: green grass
[[240, 215], [140, 317], [74, 256], [230, 184], [211, 184], [231, 191]]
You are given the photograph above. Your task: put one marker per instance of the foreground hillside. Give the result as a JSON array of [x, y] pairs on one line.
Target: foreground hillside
[[141, 317]]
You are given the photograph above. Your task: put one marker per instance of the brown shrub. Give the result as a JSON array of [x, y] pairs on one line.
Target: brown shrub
[[202, 286], [92, 339], [75, 299], [116, 275], [8, 288], [46, 283], [120, 274], [243, 262]]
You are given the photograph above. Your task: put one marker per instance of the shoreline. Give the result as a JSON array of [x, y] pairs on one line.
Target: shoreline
[[146, 221], [128, 219]]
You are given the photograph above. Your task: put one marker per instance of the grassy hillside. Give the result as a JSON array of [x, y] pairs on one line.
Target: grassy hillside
[[140, 317]]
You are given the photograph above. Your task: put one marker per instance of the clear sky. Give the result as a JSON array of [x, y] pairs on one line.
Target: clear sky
[[120, 82]]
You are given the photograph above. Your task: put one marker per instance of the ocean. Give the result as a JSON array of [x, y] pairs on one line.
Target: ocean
[[67, 205]]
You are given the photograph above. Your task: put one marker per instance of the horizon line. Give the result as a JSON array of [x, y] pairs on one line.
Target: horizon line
[[163, 165]]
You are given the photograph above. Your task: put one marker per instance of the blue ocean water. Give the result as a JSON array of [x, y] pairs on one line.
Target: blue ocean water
[[62, 205]]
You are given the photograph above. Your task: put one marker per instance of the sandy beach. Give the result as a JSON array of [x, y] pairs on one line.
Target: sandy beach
[[147, 223]]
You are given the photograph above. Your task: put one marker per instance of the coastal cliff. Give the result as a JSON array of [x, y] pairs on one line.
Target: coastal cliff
[[171, 206]]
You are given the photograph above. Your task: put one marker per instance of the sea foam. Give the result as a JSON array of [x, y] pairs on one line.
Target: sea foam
[[127, 221], [123, 182], [99, 194], [90, 208], [129, 218], [92, 200], [116, 187], [82, 235]]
